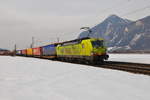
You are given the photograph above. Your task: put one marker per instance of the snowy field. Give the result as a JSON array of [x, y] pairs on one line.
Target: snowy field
[[135, 58], [36, 79]]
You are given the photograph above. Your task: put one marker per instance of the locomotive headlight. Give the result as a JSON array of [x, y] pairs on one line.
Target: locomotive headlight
[[92, 52]]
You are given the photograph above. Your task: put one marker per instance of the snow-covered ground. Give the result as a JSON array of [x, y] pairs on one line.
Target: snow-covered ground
[[135, 58], [36, 79]]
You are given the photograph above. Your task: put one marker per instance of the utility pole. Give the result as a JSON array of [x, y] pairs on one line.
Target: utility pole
[[58, 39], [15, 48], [32, 44]]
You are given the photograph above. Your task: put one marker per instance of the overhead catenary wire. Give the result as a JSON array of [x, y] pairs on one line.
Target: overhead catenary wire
[[128, 13], [137, 10], [120, 4], [115, 5]]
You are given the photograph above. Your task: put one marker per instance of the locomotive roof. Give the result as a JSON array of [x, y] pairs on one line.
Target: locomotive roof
[[77, 40]]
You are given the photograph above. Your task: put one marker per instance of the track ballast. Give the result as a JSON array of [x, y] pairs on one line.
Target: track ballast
[[136, 68]]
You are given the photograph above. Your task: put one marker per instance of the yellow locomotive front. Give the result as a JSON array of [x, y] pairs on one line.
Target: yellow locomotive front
[[99, 50]]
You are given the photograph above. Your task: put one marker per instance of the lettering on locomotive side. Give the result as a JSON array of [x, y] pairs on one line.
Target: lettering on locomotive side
[[68, 50], [62, 51], [76, 50]]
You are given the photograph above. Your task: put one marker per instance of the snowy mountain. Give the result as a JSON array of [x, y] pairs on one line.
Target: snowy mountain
[[123, 34]]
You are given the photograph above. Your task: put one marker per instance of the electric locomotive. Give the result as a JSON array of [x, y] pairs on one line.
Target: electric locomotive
[[90, 50]]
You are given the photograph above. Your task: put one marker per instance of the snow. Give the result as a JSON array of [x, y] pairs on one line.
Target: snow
[[37, 79], [119, 41], [118, 48], [135, 58], [136, 37], [115, 36]]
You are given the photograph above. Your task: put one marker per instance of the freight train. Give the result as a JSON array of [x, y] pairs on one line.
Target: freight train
[[91, 50]]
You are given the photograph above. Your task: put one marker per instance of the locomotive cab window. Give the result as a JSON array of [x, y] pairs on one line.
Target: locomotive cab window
[[82, 45], [97, 43]]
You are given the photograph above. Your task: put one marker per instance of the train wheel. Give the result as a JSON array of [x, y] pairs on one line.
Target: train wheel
[[101, 61]]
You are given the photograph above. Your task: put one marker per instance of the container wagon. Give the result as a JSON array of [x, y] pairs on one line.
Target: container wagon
[[49, 51], [37, 52], [29, 52]]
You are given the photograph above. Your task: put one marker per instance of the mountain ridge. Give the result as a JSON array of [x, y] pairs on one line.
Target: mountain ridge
[[123, 33]]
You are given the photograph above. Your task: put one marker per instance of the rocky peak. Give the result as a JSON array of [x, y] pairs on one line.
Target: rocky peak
[[119, 32], [114, 19]]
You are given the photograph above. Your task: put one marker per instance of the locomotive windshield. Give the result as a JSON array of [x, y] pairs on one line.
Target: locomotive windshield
[[97, 43]]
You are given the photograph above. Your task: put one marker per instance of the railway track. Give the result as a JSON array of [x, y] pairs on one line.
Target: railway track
[[129, 67], [135, 68]]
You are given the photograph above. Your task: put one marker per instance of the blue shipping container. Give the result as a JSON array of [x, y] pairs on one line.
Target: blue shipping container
[[49, 50]]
